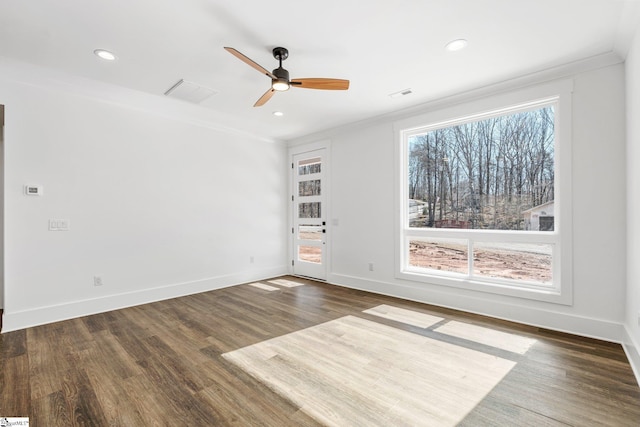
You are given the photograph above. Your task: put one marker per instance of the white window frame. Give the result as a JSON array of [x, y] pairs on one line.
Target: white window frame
[[560, 291]]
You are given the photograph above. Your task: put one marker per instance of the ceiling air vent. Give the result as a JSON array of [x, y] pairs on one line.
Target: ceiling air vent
[[189, 91], [403, 92]]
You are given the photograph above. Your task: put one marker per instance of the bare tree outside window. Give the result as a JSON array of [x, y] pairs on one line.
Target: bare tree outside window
[[489, 174]]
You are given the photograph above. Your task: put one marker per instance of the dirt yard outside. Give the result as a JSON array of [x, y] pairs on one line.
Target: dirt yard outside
[[531, 266]]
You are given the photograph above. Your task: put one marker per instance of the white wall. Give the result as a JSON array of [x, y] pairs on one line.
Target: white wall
[[1, 206], [362, 200], [633, 204], [158, 207]]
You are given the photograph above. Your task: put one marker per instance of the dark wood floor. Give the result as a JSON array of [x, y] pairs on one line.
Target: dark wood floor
[[161, 364]]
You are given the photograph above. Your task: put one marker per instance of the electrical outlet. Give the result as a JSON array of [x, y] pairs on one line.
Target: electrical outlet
[[59, 225], [370, 266], [97, 281], [251, 260]]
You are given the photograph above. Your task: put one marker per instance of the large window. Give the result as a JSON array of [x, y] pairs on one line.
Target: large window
[[481, 201]]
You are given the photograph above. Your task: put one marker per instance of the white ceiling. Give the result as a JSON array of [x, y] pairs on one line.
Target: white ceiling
[[381, 46]]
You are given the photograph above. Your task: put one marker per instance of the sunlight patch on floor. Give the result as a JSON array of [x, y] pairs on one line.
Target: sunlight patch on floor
[[352, 371], [487, 336], [286, 283], [264, 287], [402, 315]]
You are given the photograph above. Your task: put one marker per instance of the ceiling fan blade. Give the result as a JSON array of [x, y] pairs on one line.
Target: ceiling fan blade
[[264, 98], [249, 61], [324, 84]]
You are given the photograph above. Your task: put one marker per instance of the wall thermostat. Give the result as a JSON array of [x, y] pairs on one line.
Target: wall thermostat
[[33, 190]]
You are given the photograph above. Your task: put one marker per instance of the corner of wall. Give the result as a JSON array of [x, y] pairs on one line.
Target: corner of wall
[[632, 90], [631, 350]]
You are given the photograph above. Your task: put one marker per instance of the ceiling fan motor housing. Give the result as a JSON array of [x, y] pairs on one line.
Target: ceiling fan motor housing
[[281, 83], [281, 74]]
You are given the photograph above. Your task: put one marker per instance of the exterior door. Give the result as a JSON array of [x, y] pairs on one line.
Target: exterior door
[[309, 214]]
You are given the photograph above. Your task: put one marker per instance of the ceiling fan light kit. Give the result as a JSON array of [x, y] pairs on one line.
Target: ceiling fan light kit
[[280, 80], [280, 85]]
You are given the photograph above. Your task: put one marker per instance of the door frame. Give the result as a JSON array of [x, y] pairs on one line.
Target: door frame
[[296, 150]]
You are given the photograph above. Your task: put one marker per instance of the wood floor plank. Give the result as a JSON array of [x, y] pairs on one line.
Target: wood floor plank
[[76, 404], [161, 364], [495, 412], [50, 410], [154, 407], [184, 370], [49, 359], [15, 392], [107, 347], [182, 404], [131, 338], [118, 407], [13, 344]]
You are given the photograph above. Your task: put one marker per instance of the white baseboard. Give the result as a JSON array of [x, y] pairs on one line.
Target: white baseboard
[[487, 306], [631, 349], [17, 320]]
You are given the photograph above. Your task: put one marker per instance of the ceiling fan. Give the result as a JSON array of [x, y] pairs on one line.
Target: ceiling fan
[[280, 77]]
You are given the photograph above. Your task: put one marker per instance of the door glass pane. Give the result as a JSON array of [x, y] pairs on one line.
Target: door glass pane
[[309, 188], [310, 254], [310, 232], [446, 255], [309, 210], [309, 166], [516, 261]]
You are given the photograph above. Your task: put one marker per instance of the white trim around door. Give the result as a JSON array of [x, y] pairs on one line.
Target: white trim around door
[[309, 211]]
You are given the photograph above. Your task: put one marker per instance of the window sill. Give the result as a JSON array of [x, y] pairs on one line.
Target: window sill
[[525, 291]]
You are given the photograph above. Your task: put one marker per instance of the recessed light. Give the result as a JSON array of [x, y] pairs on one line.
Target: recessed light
[[278, 113], [457, 44], [104, 54]]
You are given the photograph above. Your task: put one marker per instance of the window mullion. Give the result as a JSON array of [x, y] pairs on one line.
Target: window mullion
[[470, 260]]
